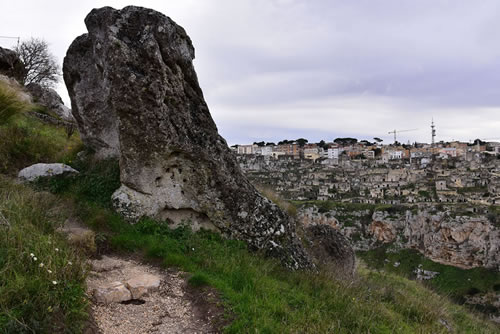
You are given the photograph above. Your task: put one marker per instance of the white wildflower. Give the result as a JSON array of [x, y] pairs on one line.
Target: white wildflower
[[57, 249], [41, 265], [49, 271], [32, 255], [69, 263], [34, 259], [54, 282]]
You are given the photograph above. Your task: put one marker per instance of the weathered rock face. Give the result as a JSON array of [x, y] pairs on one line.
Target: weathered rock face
[[135, 95], [48, 98], [331, 250], [460, 241], [11, 65]]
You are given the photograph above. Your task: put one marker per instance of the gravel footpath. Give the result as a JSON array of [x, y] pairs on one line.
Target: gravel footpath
[[168, 310]]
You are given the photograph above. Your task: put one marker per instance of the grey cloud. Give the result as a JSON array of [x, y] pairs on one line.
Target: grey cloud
[[299, 68]]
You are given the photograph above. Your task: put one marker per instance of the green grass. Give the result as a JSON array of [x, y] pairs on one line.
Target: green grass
[[262, 297], [10, 104], [30, 302], [325, 206], [478, 189], [258, 294], [95, 183], [451, 281], [25, 140]]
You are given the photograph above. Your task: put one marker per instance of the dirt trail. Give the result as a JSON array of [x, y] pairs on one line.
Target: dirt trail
[[171, 308], [131, 297]]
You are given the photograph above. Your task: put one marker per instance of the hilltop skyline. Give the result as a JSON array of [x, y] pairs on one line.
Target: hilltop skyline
[[291, 68]]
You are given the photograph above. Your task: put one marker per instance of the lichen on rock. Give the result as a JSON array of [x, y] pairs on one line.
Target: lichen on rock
[[135, 96]]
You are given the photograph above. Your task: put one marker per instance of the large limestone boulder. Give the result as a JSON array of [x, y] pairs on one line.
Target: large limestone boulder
[[48, 98], [10, 65], [135, 95]]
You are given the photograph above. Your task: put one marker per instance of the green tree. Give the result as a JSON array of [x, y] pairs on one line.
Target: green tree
[[322, 144], [302, 142], [345, 141]]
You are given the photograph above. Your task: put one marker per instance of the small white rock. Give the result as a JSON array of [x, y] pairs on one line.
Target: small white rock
[[35, 171]]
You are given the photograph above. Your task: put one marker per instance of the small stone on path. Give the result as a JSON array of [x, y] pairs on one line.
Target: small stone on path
[[141, 285], [114, 292]]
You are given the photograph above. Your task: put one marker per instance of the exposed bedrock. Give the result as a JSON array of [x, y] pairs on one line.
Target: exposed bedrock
[[11, 65], [135, 95]]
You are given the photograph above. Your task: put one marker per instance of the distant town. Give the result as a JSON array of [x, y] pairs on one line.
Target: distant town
[[350, 148], [355, 171]]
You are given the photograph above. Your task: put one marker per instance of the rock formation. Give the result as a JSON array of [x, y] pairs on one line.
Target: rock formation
[[458, 240], [135, 95], [48, 98], [331, 250], [10, 65]]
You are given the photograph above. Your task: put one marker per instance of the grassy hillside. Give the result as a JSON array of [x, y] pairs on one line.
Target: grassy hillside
[[258, 294], [24, 140], [41, 277]]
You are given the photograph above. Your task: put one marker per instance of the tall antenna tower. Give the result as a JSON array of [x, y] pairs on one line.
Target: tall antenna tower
[[433, 127]]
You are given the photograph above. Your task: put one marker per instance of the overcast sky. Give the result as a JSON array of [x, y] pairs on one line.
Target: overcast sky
[[284, 69]]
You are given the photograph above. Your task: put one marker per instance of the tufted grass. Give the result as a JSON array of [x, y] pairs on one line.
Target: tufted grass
[[10, 104], [29, 300], [25, 140]]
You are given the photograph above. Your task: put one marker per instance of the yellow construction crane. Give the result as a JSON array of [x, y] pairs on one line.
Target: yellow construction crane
[[398, 131]]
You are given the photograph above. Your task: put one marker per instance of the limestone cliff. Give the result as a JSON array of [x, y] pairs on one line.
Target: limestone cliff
[[463, 241]]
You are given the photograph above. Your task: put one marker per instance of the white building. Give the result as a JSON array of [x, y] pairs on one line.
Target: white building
[[264, 150], [333, 153], [449, 151], [395, 155], [247, 149]]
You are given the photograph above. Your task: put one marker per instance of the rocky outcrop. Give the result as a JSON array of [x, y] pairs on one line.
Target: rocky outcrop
[[135, 95], [459, 240], [48, 98], [33, 172], [10, 65], [384, 228], [331, 250]]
